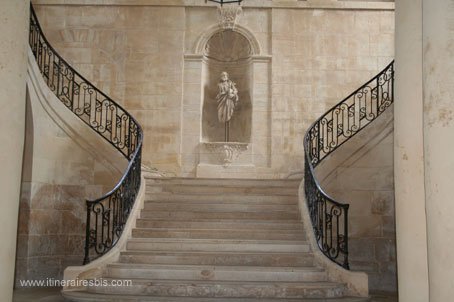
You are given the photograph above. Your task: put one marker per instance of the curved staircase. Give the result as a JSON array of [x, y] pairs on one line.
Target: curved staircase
[[212, 239]]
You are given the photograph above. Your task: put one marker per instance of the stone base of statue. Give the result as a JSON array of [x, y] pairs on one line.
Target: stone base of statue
[[225, 160]]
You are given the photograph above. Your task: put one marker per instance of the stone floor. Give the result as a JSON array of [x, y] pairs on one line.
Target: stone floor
[[53, 295]]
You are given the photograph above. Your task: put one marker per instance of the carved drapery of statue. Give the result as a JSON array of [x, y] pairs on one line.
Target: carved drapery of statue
[[227, 98]]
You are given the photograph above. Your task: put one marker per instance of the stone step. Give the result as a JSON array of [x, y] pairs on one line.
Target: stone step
[[223, 224], [221, 189], [202, 214], [223, 182], [215, 273], [80, 296], [224, 289], [213, 207], [218, 258], [220, 198], [216, 245], [218, 234], [217, 240]]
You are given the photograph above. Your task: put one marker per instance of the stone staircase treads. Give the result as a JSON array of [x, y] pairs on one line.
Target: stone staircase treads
[[218, 258], [217, 234], [217, 240], [217, 224], [215, 273], [213, 198], [94, 297], [185, 215], [211, 245], [224, 289], [225, 190], [175, 206], [224, 182]]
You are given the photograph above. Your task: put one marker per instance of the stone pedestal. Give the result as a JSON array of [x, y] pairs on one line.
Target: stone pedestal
[[225, 160], [225, 153]]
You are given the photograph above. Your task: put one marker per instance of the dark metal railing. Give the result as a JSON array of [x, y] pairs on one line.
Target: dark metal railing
[[330, 217], [107, 215], [222, 2]]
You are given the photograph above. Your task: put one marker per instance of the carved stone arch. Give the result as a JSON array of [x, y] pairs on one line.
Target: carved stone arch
[[214, 29]]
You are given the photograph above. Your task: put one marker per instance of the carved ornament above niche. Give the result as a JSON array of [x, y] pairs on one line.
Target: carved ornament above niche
[[229, 16]]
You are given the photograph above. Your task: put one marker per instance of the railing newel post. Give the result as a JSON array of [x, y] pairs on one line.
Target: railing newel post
[[346, 264], [87, 234]]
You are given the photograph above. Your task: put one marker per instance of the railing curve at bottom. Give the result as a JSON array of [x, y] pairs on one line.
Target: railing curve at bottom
[[335, 127], [106, 216]]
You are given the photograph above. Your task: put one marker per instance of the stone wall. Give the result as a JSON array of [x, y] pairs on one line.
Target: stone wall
[[313, 55], [360, 173], [58, 176], [134, 55], [319, 58]]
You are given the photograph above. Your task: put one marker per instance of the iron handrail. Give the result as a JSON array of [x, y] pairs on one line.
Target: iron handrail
[[107, 215], [341, 122]]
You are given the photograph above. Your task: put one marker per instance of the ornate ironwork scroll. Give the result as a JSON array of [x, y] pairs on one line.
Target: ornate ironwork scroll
[[106, 216], [335, 127]]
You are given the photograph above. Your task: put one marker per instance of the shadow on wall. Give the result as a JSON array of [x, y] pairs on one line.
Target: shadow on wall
[[24, 203], [57, 177]]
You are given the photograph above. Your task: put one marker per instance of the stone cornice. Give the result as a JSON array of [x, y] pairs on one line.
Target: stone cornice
[[278, 4]]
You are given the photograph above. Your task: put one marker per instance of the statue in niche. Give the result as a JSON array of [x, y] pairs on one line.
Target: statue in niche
[[227, 100]]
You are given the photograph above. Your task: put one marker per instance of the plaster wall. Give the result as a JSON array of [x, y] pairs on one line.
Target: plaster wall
[[315, 57]]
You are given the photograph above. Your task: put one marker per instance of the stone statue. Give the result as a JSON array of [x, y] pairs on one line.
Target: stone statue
[[227, 98]]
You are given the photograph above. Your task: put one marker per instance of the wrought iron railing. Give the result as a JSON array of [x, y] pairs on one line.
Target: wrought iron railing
[[107, 215], [330, 217]]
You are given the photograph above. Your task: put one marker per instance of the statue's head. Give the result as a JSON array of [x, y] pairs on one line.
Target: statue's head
[[224, 76]]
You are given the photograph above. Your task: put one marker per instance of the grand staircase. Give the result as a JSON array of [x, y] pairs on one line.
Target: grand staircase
[[212, 239], [216, 240]]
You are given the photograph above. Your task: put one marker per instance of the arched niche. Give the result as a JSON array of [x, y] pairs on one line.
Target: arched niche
[[205, 152], [230, 51]]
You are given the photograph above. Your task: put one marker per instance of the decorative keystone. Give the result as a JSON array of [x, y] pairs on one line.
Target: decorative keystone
[[229, 16]]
